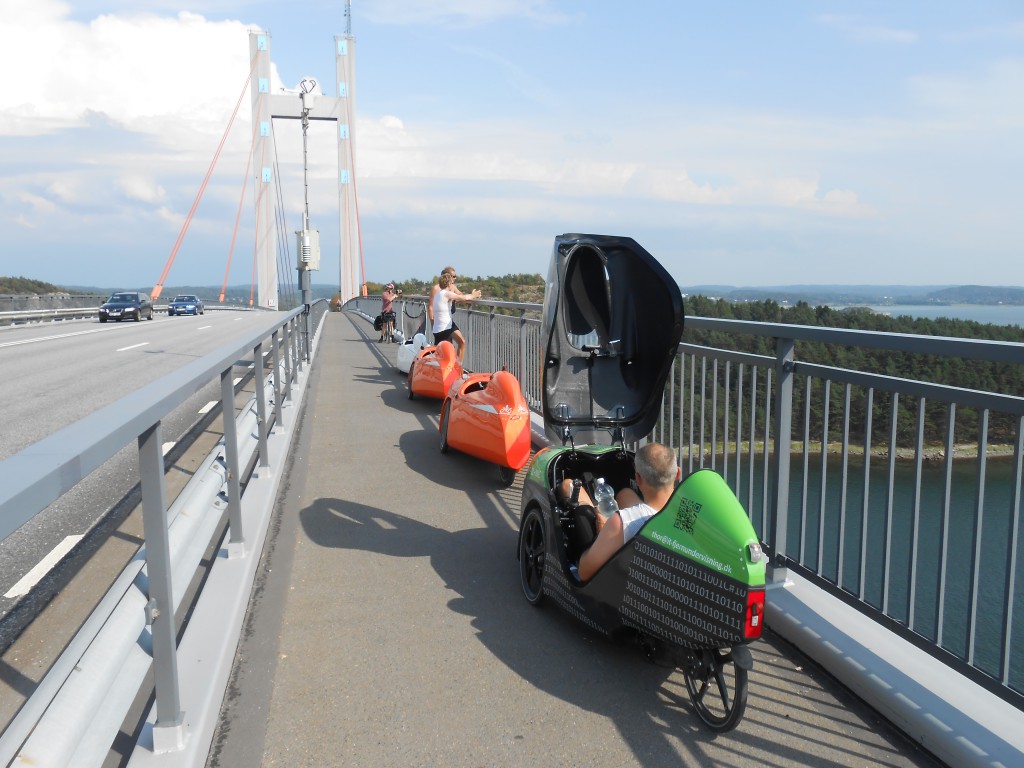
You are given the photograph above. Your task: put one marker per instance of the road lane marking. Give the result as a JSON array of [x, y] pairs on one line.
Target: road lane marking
[[44, 566], [208, 407], [55, 336], [168, 446], [203, 327], [133, 346]]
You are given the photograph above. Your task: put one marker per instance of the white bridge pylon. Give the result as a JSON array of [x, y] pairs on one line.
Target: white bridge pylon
[[340, 109]]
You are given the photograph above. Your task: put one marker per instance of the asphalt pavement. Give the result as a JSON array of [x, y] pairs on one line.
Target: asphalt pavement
[[388, 627]]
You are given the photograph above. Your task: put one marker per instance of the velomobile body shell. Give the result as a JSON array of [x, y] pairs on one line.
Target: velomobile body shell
[[434, 370], [693, 576], [485, 415], [408, 351], [690, 582]]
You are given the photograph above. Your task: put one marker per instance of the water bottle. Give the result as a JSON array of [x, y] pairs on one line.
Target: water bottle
[[604, 497]]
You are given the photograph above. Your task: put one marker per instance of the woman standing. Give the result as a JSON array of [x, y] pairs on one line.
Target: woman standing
[[444, 327]]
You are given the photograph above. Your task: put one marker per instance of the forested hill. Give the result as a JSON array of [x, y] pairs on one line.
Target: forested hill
[[859, 319], [23, 286], [867, 294], [1003, 378]]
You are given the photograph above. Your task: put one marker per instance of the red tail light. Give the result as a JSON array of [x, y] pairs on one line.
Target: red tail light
[[755, 614]]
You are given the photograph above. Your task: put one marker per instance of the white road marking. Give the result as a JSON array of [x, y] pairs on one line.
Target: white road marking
[[208, 407], [168, 446], [44, 566], [203, 327], [133, 346], [55, 336]]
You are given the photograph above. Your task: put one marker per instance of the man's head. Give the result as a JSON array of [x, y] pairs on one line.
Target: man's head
[[390, 286], [656, 465], [449, 271]]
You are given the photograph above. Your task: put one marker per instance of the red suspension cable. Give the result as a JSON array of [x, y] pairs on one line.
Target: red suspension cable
[[238, 215], [158, 288]]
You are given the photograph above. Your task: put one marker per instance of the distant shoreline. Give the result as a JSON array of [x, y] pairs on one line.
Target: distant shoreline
[[930, 453]]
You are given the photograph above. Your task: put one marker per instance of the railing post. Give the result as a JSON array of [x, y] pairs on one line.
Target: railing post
[[236, 544], [307, 332], [494, 340], [169, 730], [288, 363], [784, 352], [278, 389], [521, 372], [296, 357], [261, 404]]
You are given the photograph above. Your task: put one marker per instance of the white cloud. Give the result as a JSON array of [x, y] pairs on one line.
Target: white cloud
[[142, 188], [36, 203], [142, 71], [863, 31], [459, 12], [978, 100]]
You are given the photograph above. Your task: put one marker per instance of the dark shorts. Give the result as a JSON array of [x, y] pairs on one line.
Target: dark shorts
[[584, 530], [445, 335]]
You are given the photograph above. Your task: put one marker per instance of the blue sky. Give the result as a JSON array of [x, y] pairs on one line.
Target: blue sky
[[742, 143]]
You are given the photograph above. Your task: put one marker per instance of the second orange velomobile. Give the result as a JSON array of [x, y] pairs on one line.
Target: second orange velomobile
[[434, 371], [485, 415]]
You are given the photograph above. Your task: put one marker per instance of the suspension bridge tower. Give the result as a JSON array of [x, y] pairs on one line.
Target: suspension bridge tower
[[302, 105]]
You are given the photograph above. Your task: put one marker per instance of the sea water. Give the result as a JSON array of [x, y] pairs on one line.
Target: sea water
[[994, 314]]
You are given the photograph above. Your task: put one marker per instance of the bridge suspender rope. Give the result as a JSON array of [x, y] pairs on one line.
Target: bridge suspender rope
[[283, 253], [238, 215], [158, 288]]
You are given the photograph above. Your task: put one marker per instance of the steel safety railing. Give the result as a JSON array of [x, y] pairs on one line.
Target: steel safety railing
[[504, 335], [74, 714], [923, 538]]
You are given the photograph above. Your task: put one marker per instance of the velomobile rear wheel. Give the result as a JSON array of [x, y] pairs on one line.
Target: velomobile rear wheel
[[531, 556], [717, 688], [445, 413], [506, 475]]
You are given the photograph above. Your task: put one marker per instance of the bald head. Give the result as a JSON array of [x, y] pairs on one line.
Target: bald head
[[656, 464]]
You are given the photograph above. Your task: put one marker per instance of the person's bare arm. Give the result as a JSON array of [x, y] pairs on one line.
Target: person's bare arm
[[609, 540], [430, 303]]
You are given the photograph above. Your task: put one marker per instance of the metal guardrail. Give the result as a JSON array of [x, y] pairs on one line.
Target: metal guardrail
[[28, 316], [925, 544], [75, 712], [723, 409]]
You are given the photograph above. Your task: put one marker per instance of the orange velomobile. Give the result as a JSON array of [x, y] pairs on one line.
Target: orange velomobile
[[434, 371], [485, 415]]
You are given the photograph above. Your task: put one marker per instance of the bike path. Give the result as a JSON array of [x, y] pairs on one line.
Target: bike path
[[388, 628]]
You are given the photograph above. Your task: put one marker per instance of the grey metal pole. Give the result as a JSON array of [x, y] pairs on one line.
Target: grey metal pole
[[303, 267], [169, 717], [278, 389], [784, 352], [261, 404], [286, 328], [236, 544]]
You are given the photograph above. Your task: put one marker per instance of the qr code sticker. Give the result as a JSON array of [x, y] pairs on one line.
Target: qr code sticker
[[686, 515]]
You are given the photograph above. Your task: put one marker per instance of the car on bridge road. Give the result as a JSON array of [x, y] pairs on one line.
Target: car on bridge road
[[126, 305], [186, 304]]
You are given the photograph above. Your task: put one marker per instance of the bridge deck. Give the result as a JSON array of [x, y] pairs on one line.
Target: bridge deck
[[388, 627]]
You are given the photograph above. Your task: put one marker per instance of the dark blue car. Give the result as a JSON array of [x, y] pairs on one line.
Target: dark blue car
[[185, 304]]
